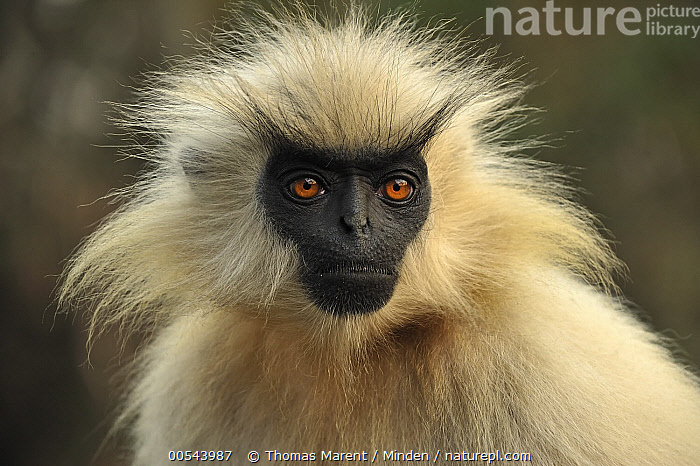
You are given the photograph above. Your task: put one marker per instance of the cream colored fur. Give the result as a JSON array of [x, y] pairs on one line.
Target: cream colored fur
[[501, 333]]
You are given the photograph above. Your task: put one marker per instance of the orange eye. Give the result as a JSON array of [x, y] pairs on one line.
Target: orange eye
[[397, 189], [306, 188]]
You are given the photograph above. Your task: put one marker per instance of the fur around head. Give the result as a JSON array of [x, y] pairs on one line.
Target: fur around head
[[192, 229], [497, 336]]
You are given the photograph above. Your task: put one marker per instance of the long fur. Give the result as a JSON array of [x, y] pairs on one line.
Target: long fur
[[501, 333]]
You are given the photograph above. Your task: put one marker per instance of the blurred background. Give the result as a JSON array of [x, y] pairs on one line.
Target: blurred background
[[625, 111]]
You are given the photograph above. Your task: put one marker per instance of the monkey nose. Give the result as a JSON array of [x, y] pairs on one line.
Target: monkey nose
[[355, 223]]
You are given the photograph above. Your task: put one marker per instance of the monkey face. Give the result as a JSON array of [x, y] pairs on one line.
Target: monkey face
[[351, 215]]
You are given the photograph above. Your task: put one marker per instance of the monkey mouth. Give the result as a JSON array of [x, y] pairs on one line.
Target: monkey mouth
[[354, 269], [345, 289]]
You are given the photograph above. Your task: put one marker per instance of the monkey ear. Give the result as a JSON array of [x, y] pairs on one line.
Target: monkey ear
[[192, 162]]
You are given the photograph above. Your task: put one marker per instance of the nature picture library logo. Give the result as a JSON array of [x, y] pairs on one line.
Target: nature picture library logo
[[652, 20]]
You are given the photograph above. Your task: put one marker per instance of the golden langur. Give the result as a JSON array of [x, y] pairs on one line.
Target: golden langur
[[337, 249]]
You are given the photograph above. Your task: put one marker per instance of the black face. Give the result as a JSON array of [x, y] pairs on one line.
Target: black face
[[351, 216]]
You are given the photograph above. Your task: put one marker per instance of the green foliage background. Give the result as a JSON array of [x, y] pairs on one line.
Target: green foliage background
[[625, 111]]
